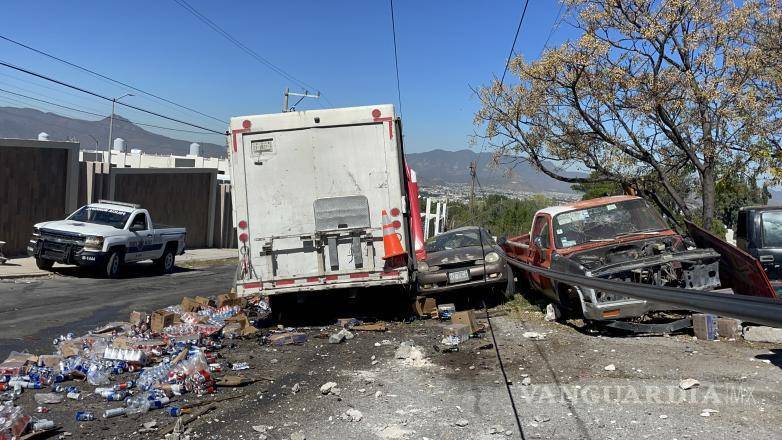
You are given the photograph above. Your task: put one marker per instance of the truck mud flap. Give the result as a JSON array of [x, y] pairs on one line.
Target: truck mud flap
[[637, 327]]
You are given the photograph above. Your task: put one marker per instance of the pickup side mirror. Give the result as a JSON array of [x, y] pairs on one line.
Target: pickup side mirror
[[502, 240], [538, 241]]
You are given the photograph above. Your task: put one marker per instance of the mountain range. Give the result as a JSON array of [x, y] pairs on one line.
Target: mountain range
[[436, 167], [26, 123]]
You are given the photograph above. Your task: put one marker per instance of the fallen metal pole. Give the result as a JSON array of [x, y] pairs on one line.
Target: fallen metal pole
[[753, 309]]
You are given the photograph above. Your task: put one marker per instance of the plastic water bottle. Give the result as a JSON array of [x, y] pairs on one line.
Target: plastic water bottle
[[114, 412], [174, 411], [85, 416], [124, 386], [158, 403], [74, 395], [116, 396], [137, 404]]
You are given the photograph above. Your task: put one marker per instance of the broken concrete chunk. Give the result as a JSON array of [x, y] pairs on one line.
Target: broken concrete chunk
[[295, 388], [327, 387], [352, 415], [340, 336], [462, 423], [763, 334], [526, 382], [533, 335], [610, 367], [686, 384]]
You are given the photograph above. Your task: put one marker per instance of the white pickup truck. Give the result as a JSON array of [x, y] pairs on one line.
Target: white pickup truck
[[106, 235]]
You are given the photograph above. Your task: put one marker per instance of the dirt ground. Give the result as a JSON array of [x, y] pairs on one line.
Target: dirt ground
[[558, 379]]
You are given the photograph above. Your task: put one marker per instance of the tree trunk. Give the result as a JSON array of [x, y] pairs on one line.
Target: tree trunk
[[709, 196]]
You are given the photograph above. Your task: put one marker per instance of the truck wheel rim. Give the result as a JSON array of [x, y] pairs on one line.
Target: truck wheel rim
[[114, 264], [169, 260]]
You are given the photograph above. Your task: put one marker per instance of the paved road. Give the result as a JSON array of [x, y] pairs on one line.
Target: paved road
[[35, 311]]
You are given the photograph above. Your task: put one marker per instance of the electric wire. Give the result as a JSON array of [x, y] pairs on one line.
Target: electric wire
[[97, 95], [513, 46], [92, 72], [396, 58], [243, 47]]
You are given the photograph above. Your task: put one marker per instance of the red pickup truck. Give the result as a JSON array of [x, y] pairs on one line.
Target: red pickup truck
[[618, 238]]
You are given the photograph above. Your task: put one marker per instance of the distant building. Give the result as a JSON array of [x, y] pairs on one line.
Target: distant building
[[138, 159]]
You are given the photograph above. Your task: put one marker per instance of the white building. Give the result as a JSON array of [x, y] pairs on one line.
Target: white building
[[138, 159]]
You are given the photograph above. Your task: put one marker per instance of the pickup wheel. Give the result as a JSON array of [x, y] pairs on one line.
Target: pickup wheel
[[510, 287], [165, 264], [44, 264], [113, 265]]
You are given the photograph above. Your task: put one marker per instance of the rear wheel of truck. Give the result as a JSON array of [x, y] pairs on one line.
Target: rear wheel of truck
[[165, 264], [44, 264], [510, 287], [113, 265]]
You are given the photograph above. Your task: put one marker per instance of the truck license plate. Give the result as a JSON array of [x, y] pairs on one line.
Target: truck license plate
[[458, 276]]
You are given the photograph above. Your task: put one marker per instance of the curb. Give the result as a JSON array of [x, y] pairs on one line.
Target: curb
[[44, 274]]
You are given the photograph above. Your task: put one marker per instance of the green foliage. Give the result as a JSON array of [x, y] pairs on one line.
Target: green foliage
[[593, 190], [733, 192], [500, 215]]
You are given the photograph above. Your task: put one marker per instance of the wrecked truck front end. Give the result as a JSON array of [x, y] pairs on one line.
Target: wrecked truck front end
[[661, 261]]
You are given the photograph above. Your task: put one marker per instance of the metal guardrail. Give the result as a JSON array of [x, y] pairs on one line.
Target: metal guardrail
[[757, 310]]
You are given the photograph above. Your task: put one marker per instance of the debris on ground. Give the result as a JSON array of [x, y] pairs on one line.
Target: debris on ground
[[352, 415], [552, 313], [327, 387], [340, 336], [533, 335], [610, 367], [462, 423], [411, 355], [686, 384]]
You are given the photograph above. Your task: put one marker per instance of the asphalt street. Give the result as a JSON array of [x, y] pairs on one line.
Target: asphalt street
[[35, 311]]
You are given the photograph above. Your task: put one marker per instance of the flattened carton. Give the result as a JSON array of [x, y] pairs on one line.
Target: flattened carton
[[161, 319], [468, 318]]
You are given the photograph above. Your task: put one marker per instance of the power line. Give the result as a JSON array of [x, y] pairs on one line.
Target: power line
[[215, 27], [554, 26], [84, 69], [396, 58], [97, 95], [513, 46]]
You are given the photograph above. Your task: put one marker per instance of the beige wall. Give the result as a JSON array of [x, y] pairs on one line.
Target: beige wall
[[38, 182]]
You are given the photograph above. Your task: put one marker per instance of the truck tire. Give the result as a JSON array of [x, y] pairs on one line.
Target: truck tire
[[510, 287], [113, 265], [165, 264], [44, 264]]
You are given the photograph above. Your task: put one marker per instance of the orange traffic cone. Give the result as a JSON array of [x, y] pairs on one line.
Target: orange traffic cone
[[391, 243]]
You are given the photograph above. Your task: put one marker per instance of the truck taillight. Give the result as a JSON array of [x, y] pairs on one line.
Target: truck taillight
[[394, 212], [243, 237], [242, 224], [246, 124], [376, 113]]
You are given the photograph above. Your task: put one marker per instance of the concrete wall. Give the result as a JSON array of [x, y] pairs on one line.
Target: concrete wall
[[224, 230], [38, 182], [173, 196]]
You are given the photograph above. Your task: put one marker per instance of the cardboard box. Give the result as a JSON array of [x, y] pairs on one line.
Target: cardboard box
[[239, 325], [228, 300], [425, 306], [137, 318], [69, 348], [49, 360], [190, 305], [161, 319], [204, 301], [704, 326], [467, 318], [288, 338], [374, 327]]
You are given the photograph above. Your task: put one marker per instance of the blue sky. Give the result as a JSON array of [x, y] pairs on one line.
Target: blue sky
[[342, 48]]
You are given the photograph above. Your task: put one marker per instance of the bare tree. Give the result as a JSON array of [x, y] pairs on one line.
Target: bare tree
[[654, 91]]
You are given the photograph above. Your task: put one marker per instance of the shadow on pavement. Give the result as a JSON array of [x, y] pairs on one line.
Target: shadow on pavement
[[130, 271]]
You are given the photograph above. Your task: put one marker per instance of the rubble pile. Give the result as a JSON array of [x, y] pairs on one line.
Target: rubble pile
[[141, 365]]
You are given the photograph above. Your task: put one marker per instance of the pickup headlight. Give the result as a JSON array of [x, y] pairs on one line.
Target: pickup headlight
[[423, 267], [492, 257], [93, 243], [36, 232]]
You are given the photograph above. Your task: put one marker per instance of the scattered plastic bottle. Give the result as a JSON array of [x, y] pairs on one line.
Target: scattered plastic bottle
[[174, 411], [124, 385], [74, 395], [114, 412], [85, 416], [116, 396], [43, 424]]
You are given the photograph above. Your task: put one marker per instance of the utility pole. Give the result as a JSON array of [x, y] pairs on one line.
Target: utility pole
[[302, 96], [473, 178], [111, 126]]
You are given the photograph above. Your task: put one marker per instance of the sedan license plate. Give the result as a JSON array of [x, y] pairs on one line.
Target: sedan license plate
[[459, 276]]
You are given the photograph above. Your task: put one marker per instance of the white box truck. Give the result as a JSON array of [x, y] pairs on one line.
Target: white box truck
[[309, 188]]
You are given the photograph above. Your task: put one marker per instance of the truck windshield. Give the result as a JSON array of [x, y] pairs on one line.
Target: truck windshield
[[101, 216], [606, 222], [772, 229]]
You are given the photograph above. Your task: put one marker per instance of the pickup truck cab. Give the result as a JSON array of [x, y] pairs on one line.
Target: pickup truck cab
[[106, 235], [619, 238], [759, 233]]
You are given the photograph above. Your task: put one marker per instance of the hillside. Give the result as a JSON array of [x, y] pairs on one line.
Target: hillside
[[439, 167], [26, 123]]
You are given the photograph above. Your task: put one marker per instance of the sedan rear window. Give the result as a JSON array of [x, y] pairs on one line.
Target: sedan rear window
[[456, 240]]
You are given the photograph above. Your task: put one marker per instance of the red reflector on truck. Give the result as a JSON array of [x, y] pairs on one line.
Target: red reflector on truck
[[246, 124], [283, 282], [392, 273], [313, 280], [243, 224], [394, 212], [252, 285], [243, 237], [359, 275], [332, 278]]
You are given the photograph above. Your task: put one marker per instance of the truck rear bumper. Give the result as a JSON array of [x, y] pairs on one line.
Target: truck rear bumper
[[314, 284]]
